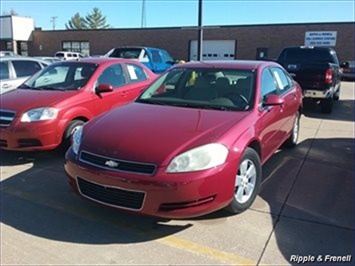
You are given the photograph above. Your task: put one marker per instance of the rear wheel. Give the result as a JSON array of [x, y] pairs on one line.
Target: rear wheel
[[247, 182], [327, 105], [337, 95]]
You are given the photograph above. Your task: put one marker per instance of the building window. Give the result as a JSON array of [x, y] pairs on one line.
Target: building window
[[76, 46], [9, 46]]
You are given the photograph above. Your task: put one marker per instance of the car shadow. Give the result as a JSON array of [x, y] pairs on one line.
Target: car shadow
[[39, 201], [343, 110], [308, 204]]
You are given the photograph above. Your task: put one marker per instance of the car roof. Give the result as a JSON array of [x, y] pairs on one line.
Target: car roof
[[237, 64], [100, 61], [18, 58]]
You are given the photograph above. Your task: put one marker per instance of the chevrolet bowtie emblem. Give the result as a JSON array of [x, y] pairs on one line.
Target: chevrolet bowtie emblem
[[111, 163]]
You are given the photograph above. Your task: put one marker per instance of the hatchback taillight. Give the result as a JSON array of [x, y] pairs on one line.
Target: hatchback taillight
[[329, 76]]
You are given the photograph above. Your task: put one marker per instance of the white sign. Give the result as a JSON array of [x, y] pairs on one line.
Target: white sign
[[320, 38]]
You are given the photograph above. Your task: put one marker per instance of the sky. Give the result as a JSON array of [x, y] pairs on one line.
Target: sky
[[173, 13]]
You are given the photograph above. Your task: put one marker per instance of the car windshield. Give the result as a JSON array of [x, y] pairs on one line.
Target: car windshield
[[61, 76], [205, 88], [130, 53]]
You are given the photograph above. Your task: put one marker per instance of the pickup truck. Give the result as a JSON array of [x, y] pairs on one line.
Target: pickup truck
[[318, 72], [156, 59]]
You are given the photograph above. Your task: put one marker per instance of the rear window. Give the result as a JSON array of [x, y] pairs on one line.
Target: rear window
[[300, 55]]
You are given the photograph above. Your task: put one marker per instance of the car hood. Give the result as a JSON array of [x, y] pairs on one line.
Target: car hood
[[154, 134], [22, 100]]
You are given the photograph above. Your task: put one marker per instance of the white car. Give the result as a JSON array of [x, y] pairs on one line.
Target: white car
[[68, 55], [16, 70]]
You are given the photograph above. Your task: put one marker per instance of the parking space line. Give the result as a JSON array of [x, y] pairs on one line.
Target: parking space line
[[172, 241]]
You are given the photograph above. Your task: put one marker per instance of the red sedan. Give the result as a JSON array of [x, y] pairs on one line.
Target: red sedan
[[44, 111], [192, 143]]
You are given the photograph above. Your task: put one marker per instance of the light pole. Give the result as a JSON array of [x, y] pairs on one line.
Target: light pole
[[200, 32], [53, 21]]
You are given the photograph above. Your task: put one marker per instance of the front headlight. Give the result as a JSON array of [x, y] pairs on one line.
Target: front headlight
[[200, 158], [76, 139], [40, 114]]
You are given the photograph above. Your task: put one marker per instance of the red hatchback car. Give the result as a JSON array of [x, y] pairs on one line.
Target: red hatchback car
[[192, 143], [45, 110]]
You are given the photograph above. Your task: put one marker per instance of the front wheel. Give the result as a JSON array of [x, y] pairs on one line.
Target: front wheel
[[71, 128], [247, 182], [292, 140]]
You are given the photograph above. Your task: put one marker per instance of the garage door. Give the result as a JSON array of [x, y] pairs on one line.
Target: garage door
[[214, 50]]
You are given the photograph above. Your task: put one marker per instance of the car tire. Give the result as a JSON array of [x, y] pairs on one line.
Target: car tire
[[337, 95], [327, 105], [247, 182], [292, 140], [72, 126]]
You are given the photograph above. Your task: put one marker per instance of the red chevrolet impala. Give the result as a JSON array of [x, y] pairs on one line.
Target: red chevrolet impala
[[45, 110], [192, 143]]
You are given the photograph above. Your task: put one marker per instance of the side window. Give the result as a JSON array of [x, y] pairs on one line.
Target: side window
[[4, 70], [136, 73], [268, 85], [25, 68], [156, 57], [281, 79], [112, 75], [167, 57]]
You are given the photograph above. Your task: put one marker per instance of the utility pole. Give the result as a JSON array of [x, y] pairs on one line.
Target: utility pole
[[53, 21], [143, 20], [200, 32]]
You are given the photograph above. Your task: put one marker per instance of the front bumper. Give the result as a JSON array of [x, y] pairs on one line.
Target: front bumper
[[163, 195], [32, 136]]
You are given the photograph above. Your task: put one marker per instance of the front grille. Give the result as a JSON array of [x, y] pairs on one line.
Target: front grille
[[23, 143], [6, 117], [113, 196], [116, 164]]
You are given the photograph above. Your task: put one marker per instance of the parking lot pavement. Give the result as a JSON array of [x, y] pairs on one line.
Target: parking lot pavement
[[305, 208]]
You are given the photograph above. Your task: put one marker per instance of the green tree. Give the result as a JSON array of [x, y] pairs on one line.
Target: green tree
[[96, 20], [76, 23]]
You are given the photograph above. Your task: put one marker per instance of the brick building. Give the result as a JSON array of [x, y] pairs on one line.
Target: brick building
[[220, 42]]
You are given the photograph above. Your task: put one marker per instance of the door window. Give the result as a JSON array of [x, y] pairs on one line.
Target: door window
[[113, 75], [136, 73], [268, 84], [25, 68], [281, 79], [4, 71]]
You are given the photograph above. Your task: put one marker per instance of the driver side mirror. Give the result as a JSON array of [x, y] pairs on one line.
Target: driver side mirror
[[104, 88], [273, 99]]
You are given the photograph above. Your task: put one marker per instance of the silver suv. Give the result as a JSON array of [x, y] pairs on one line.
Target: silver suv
[[16, 70]]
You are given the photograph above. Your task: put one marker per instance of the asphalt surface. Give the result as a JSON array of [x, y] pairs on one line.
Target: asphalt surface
[[305, 211]]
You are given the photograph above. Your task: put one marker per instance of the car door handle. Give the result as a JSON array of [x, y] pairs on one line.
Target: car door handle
[[5, 86]]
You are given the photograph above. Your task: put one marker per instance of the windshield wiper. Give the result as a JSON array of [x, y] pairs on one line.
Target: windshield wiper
[[25, 86], [152, 101], [50, 88]]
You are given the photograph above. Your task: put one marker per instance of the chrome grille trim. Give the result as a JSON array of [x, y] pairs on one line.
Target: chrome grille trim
[[130, 164], [6, 117]]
